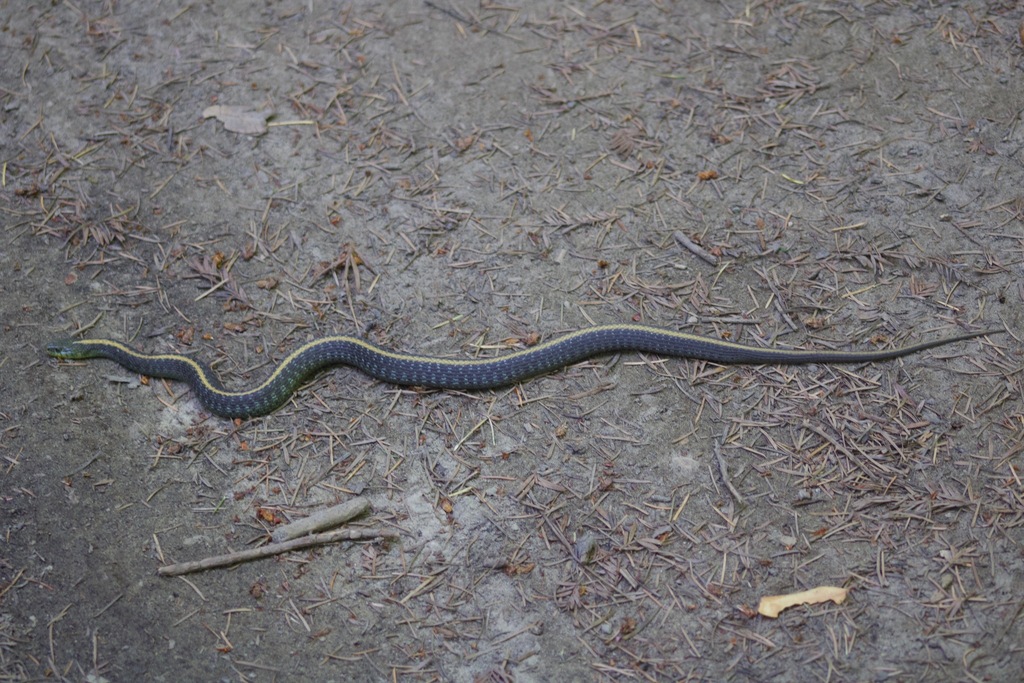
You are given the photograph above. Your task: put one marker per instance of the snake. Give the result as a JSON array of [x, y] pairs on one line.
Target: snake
[[456, 373]]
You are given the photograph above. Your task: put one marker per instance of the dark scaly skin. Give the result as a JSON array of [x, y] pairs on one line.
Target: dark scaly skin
[[444, 373]]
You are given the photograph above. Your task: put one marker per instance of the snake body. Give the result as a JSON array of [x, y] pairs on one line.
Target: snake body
[[454, 373]]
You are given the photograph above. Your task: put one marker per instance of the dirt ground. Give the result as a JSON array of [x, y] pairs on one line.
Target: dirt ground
[[461, 179]]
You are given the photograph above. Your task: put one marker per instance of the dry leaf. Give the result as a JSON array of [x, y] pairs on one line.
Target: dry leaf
[[772, 605], [267, 282], [240, 119]]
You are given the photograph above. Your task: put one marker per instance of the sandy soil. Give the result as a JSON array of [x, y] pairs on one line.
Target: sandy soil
[[462, 179]]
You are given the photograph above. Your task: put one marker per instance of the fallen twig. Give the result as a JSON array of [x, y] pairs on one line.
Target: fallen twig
[[323, 519], [697, 250], [273, 549], [723, 470]]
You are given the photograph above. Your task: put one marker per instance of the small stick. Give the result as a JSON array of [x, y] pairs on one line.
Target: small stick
[[324, 519], [723, 470], [273, 549], [698, 250]]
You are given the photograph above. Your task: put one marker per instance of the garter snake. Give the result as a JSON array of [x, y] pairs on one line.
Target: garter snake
[[449, 373]]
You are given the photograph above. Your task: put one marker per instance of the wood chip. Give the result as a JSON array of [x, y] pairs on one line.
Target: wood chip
[[239, 119], [773, 605]]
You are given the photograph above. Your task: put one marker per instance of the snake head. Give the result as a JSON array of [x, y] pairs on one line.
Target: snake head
[[66, 349]]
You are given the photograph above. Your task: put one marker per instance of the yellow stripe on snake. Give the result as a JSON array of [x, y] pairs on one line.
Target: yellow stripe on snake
[[454, 373]]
